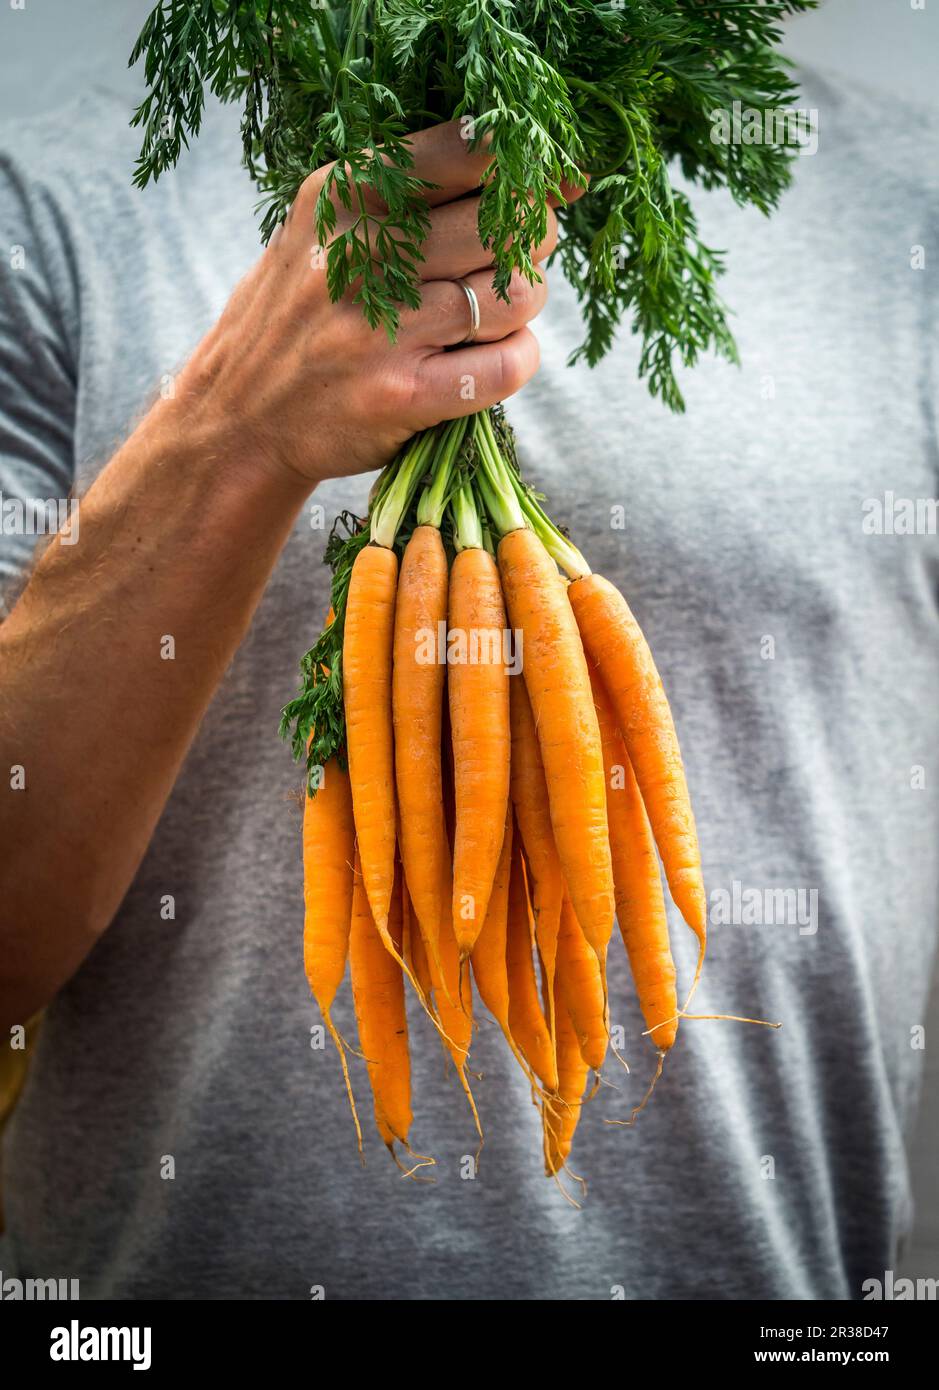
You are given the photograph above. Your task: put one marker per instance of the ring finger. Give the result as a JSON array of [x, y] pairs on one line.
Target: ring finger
[[445, 317]]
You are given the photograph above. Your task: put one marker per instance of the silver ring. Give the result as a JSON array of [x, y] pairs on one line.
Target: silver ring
[[474, 312]]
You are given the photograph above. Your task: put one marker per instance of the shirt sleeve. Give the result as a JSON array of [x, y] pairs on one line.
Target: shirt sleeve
[[38, 301]]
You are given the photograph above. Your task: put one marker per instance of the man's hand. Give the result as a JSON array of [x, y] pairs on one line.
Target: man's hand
[[309, 386]]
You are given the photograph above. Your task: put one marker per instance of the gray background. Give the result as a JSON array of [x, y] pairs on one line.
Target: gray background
[[53, 49]]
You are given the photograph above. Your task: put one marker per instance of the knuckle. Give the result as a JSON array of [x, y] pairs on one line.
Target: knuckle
[[518, 362], [522, 294], [527, 297], [399, 389], [551, 239], [309, 191], [311, 185]]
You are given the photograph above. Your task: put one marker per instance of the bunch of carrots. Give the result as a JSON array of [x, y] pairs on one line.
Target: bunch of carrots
[[463, 824], [467, 824]]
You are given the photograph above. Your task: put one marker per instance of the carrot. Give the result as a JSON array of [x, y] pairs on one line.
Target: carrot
[[489, 954], [488, 958], [367, 679], [378, 996], [580, 985], [453, 990], [328, 853], [559, 689], [613, 639], [453, 995], [328, 848], [640, 902], [366, 673], [526, 1021], [417, 703], [561, 1122], [479, 719], [413, 944], [529, 794], [414, 950]]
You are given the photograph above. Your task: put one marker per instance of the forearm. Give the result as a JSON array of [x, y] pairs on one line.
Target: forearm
[[177, 539]]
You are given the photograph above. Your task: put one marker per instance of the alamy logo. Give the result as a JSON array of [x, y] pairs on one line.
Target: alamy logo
[[792, 127], [891, 515], [475, 646], [33, 1290], [893, 1289], [764, 907], [77, 1343], [40, 517]]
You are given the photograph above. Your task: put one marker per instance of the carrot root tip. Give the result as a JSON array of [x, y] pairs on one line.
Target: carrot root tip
[[637, 1110], [341, 1049]]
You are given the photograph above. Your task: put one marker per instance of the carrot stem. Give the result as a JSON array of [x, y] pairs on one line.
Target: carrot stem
[[437, 494], [487, 533], [512, 506], [494, 480], [389, 513], [564, 553], [467, 531]]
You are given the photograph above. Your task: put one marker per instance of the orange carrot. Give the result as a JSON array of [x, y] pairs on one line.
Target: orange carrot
[[561, 1121], [488, 956], [328, 853], [640, 902], [417, 704], [559, 689], [613, 639], [529, 793], [453, 989], [453, 996], [328, 849], [378, 995], [368, 642], [526, 1021], [479, 718], [581, 987], [366, 674], [413, 944]]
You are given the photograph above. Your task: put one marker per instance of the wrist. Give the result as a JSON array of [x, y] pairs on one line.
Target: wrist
[[219, 443]]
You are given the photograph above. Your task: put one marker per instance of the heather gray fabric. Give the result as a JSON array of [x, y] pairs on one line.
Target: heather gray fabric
[[801, 656]]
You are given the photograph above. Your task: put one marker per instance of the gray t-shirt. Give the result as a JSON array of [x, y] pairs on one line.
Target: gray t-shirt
[[801, 657]]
